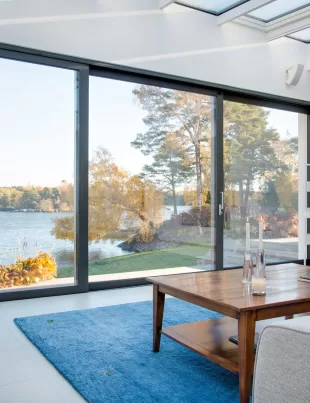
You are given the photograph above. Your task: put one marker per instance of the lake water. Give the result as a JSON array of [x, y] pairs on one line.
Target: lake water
[[26, 233]]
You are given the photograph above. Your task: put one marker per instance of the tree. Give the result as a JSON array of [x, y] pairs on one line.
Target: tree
[[188, 115], [169, 168], [270, 200], [15, 197], [45, 193], [19, 188], [249, 148], [286, 186], [46, 205], [190, 197], [66, 196], [55, 197], [29, 199], [249, 143], [34, 196], [64, 207], [208, 197], [286, 181], [116, 200], [4, 201]]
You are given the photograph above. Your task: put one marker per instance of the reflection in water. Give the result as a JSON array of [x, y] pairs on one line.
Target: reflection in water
[[25, 234], [99, 250]]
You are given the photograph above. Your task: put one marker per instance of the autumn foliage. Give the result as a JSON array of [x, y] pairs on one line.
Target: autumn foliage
[[28, 271], [117, 200]]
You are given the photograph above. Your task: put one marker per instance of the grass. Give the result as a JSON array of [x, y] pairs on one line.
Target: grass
[[184, 255]]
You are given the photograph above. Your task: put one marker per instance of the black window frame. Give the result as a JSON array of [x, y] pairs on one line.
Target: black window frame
[[86, 68]]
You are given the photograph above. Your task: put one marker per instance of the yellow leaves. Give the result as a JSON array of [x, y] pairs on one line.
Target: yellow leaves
[[64, 228], [117, 201], [287, 189], [28, 271]]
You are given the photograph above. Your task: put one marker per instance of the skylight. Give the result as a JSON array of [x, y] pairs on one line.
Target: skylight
[[303, 35], [278, 9], [216, 7]]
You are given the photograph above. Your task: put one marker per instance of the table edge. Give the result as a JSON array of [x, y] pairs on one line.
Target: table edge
[[231, 307]]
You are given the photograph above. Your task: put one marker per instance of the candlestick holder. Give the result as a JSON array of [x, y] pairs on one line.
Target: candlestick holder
[[247, 267], [259, 274]]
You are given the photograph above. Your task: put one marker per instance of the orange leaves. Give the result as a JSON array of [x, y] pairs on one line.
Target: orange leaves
[[28, 271], [117, 201]]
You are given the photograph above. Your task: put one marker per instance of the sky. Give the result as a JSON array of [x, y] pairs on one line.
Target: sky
[[37, 123]]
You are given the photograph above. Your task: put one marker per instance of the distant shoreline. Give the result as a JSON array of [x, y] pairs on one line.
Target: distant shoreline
[[2, 210]]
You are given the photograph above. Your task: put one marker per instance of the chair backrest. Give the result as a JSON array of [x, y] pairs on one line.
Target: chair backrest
[[282, 365]]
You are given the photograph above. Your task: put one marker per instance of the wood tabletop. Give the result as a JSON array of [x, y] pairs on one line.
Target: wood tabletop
[[226, 289]]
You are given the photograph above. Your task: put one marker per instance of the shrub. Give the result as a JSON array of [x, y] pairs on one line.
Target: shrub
[[28, 271], [282, 224], [197, 217]]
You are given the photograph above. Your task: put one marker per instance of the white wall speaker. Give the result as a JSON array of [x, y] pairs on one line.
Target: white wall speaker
[[294, 74]]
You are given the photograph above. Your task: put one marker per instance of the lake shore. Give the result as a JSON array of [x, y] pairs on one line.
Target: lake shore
[[12, 210], [169, 235]]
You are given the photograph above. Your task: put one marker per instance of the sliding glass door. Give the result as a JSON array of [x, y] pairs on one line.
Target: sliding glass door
[[109, 179], [150, 181], [39, 195], [263, 150]]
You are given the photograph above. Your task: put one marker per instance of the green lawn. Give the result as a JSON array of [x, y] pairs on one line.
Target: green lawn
[[185, 255]]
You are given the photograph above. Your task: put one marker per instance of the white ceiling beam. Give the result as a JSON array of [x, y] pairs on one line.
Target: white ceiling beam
[[242, 10], [165, 3], [288, 25], [252, 23]]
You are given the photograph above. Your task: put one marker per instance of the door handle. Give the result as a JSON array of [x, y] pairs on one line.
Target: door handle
[[221, 205]]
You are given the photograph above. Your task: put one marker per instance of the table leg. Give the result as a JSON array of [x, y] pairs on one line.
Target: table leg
[[246, 333], [158, 312]]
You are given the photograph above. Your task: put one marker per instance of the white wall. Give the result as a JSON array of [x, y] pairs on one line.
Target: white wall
[[179, 41]]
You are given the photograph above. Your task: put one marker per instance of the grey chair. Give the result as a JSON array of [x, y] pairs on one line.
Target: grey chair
[[282, 365]]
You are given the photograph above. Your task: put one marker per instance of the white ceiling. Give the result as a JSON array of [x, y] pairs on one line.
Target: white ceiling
[[37, 11], [157, 35]]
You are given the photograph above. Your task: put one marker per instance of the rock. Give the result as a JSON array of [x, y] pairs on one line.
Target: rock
[[138, 246]]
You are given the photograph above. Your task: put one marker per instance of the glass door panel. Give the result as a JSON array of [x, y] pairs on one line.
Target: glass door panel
[[36, 176], [261, 156], [150, 209]]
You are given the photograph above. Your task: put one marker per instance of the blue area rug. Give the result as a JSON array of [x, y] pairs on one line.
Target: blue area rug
[[106, 354]]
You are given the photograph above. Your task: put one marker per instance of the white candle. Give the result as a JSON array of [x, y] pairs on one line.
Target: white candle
[[260, 247], [247, 237], [258, 284]]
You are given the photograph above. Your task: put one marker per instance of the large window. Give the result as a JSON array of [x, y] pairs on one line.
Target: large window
[[36, 174], [261, 156], [104, 180], [149, 181]]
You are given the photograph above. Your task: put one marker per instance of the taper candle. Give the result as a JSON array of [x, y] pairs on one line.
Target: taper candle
[[247, 237]]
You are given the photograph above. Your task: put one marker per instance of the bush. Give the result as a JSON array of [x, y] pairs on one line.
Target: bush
[[197, 217], [283, 224], [28, 271]]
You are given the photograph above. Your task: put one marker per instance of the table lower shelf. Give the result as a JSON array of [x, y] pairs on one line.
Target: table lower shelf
[[209, 338]]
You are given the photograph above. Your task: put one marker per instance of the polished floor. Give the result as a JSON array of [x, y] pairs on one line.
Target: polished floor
[[25, 375]]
